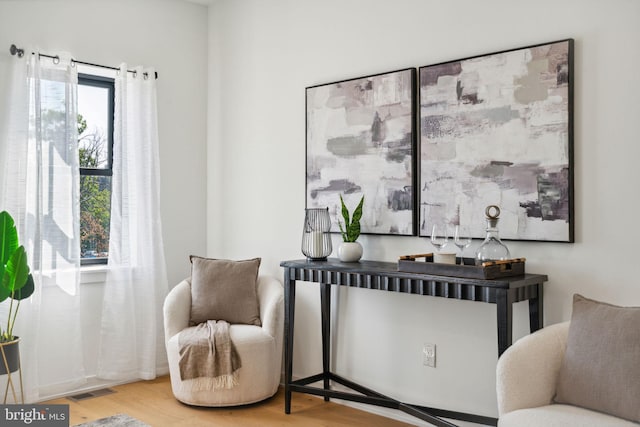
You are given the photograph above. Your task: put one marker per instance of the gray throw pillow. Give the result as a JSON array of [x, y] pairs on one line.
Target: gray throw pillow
[[224, 290], [601, 367]]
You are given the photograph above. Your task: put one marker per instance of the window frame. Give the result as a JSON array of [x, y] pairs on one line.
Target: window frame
[[109, 84]]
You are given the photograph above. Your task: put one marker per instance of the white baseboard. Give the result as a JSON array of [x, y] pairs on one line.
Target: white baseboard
[[93, 383]]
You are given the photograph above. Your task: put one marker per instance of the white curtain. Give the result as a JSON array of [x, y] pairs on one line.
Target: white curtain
[[40, 188], [132, 344]]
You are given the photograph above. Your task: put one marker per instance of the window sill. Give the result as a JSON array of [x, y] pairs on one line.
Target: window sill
[[93, 273]]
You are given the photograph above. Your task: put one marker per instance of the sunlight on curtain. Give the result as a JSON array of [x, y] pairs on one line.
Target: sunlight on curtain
[[132, 344], [39, 187]]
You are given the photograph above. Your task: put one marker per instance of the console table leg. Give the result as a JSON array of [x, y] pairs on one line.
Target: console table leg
[[325, 308], [536, 313], [289, 316], [505, 320]]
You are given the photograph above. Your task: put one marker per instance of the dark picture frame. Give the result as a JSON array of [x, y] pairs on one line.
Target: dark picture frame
[[497, 129], [361, 140]]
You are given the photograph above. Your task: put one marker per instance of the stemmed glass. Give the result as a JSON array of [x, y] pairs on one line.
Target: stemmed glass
[[462, 240], [439, 236]]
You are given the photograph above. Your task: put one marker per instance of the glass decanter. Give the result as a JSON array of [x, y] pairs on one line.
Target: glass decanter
[[492, 249]]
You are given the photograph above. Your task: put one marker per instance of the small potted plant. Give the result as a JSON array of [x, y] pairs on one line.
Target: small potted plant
[[16, 283], [350, 250]]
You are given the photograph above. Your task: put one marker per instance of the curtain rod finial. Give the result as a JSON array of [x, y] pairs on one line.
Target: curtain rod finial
[[13, 49]]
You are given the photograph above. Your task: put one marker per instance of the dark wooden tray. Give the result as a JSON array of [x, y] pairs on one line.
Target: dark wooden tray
[[464, 267]]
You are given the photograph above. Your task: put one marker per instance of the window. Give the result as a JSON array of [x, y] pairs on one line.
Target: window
[[95, 139]]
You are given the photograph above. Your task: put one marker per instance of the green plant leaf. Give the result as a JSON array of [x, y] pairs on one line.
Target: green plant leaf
[[357, 214], [353, 231], [26, 291], [8, 237], [15, 281], [2, 270], [8, 245], [4, 293], [17, 270], [345, 212], [342, 231]]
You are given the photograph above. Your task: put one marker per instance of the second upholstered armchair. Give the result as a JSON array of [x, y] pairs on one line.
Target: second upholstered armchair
[[581, 373]]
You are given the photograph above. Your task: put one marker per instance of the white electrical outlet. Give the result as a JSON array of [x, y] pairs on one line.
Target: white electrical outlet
[[429, 355]]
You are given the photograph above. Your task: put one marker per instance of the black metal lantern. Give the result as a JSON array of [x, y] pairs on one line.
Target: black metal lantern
[[316, 240]]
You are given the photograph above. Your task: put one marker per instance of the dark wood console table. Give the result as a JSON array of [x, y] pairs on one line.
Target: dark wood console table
[[386, 277]]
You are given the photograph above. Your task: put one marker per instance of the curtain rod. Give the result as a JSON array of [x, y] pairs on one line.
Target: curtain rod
[[20, 52]]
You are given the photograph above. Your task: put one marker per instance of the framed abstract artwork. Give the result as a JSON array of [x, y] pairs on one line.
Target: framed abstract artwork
[[360, 141], [497, 129]]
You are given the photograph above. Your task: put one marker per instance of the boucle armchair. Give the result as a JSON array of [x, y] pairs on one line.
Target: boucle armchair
[[527, 376], [259, 347]]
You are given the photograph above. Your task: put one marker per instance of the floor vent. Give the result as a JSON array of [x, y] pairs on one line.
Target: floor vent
[[90, 395]]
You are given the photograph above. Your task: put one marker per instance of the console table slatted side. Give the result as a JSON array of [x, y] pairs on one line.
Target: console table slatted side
[[523, 294], [401, 284]]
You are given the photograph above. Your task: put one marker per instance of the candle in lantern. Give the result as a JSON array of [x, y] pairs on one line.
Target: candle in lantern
[[316, 244]]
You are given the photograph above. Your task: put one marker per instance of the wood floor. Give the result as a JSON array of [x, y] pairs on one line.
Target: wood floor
[[153, 403]]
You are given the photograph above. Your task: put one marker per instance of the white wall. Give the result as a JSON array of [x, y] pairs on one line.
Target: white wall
[[170, 36], [264, 54]]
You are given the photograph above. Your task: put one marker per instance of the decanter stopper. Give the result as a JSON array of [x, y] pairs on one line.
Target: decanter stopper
[[492, 249]]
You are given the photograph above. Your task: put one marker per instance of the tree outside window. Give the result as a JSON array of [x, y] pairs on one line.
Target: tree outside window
[[95, 139]]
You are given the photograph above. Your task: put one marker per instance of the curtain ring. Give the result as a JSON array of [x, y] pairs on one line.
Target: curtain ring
[[135, 73], [56, 60], [145, 75], [73, 63]]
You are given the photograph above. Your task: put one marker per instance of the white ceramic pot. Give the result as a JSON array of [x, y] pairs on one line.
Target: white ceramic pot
[[350, 251]]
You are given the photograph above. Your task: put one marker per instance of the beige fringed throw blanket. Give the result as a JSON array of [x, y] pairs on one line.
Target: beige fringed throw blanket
[[208, 356]]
